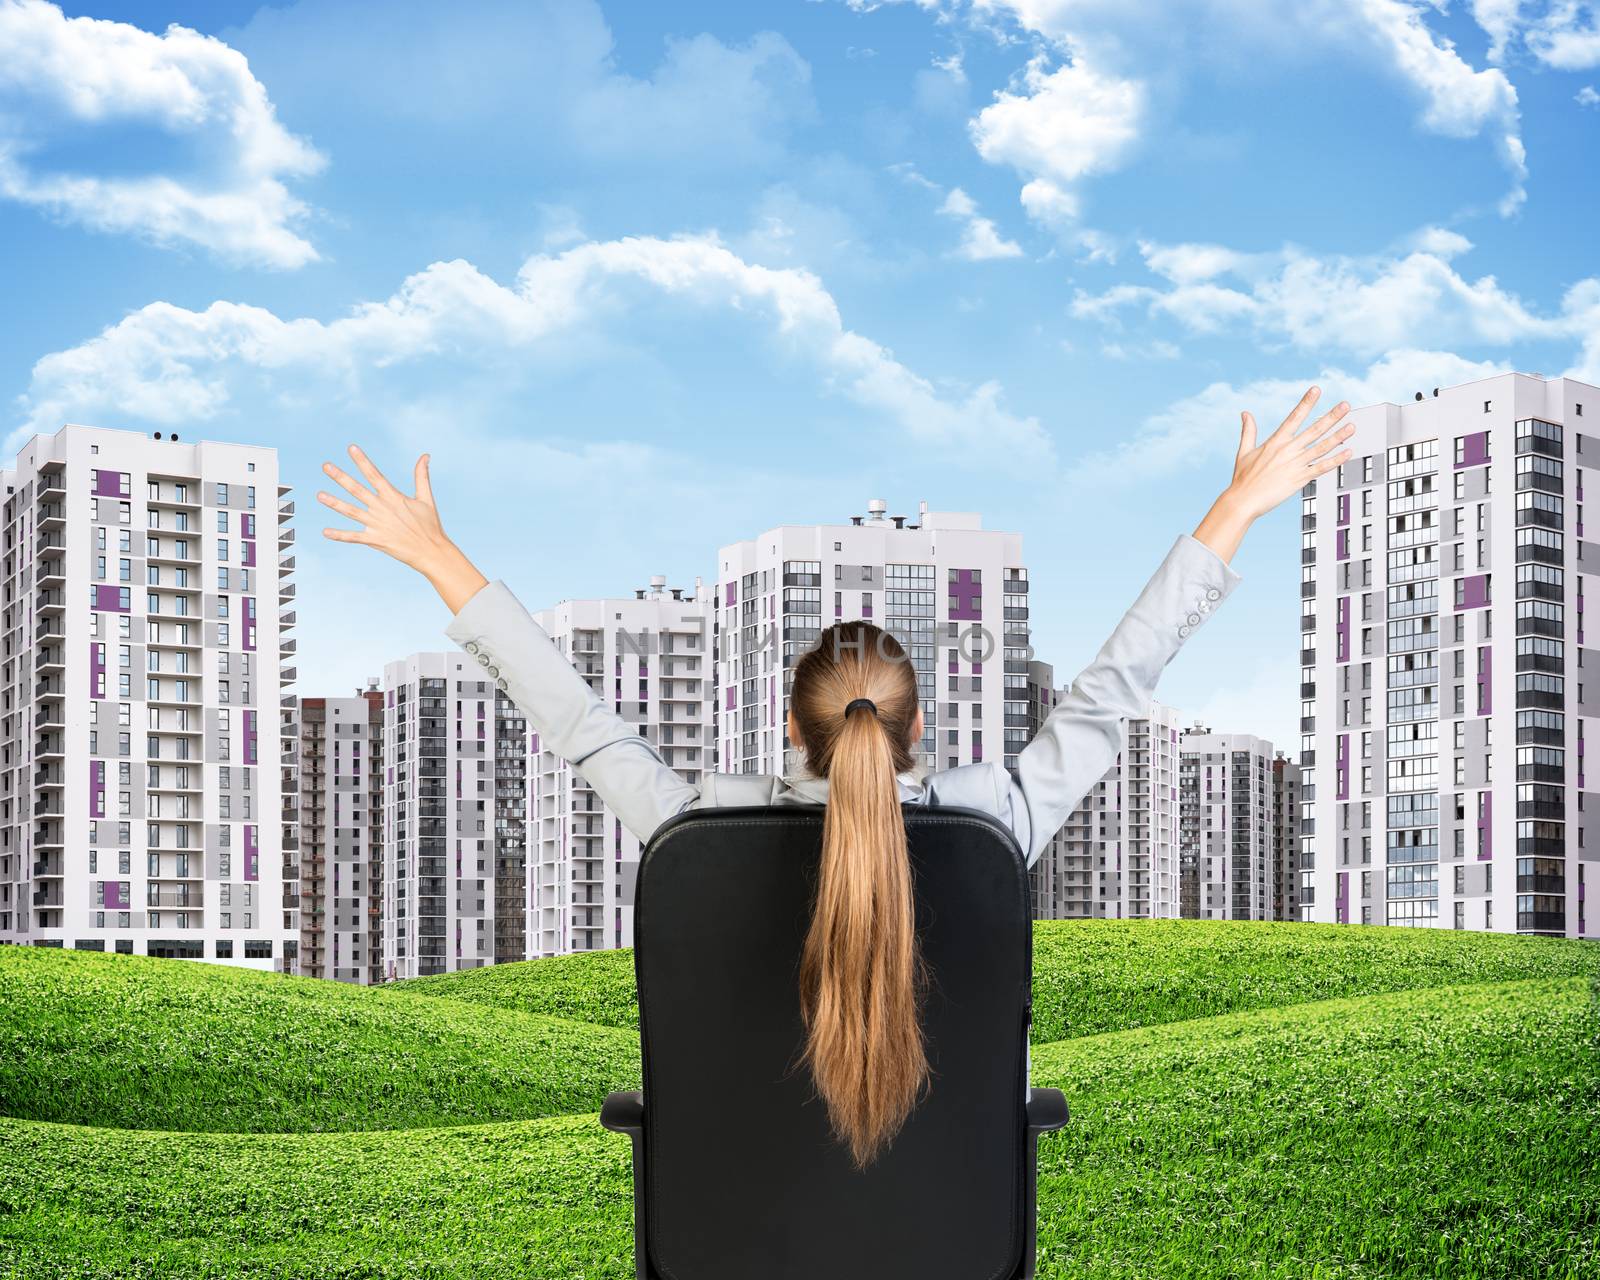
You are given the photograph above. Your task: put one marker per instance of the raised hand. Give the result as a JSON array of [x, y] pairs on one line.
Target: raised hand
[[1265, 474], [404, 527]]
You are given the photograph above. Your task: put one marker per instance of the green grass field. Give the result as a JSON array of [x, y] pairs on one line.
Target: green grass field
[[1248, 1100]]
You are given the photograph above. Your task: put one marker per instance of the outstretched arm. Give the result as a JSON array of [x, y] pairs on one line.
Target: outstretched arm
[[1080, 739], [513, 650]]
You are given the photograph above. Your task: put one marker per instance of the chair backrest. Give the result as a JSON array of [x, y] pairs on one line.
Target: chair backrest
[[742, 1175]]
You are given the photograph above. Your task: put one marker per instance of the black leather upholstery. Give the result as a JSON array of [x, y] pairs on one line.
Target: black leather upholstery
[[737, 1175]]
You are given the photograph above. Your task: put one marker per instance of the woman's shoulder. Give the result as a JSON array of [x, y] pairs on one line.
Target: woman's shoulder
[[727, 790], [982, 786]]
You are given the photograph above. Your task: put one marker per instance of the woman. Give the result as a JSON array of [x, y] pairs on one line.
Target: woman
[[855, 715]]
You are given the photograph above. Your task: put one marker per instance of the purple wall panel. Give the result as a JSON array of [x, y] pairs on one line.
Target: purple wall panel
[[1341, 541], [252, 853], [1474, 449], [97, 788], [966, 597], [107, 595], [249, 622], [250, 737], [732, 593], [110, 484], [97, 669], [1474, 592], [1342, 901], [117, 894]]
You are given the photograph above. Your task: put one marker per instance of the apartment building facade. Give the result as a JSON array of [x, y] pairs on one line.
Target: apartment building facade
[[1444, 699], [1117, 856], [333, 814], [1285, 837], [648, 658], [1227, 826], [140, 798], [953, 593], [441, 750]]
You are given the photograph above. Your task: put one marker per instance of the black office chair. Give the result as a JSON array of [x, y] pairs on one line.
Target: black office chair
[[736, 1173]]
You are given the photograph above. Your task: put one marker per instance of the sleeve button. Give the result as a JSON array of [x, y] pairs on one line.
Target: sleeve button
[[483, 659], [494, 671], [1194, 619], [500, 683], [1213, 594], [472, 646], [1183, 631]]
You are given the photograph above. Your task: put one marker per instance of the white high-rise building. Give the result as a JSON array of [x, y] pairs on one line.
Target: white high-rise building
[[1227, 825], [953, 593], [1445, 572], [1117, 856], [649, 659], [140, 800], [333, 812], [441, 744], [1285, 838]]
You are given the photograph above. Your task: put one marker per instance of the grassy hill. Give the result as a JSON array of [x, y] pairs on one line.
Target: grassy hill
[[1092, 976], [1440, 1118], [139, 1043]]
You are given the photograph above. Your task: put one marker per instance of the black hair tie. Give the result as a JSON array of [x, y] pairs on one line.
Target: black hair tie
[[868, 703]]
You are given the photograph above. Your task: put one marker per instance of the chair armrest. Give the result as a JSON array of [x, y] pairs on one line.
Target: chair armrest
[[1047, 1109], [624, 1112]]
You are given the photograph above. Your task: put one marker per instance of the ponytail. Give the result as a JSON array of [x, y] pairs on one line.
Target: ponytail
[[862, 975]]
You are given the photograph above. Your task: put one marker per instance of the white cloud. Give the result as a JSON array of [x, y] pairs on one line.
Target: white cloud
[[743, 96], [1157, 349], [1202, 430], [1460, 102], [1065, 126], [1360, 304], [169, 365], [1500, 20], [62, 78], [542, 80], [980, 238], [1058, 127], [1564, 34], [1587, 97]]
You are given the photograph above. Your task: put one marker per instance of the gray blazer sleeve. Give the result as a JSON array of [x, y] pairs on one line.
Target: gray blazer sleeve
[[515, 652], [1080, 739]]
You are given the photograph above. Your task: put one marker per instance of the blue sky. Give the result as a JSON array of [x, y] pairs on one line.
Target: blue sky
[[648, 278]]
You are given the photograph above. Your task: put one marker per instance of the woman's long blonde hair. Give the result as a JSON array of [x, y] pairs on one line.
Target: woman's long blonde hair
[[862, 975]]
